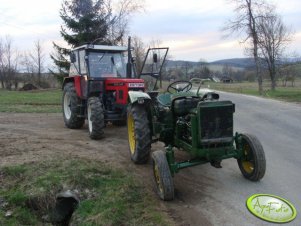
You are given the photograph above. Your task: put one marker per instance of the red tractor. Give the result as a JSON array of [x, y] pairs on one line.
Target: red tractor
[[97, 87]]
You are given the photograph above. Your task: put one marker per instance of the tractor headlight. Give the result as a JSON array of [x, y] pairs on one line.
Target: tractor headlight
[[140, 100]]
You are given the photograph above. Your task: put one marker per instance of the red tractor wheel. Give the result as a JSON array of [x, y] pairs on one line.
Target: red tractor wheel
[[70, 105], [96, 121]]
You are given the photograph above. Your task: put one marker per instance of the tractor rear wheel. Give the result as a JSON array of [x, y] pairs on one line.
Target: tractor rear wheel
[[71, 108], [96, 121], [252, 164], [139, 136], [162, 176]]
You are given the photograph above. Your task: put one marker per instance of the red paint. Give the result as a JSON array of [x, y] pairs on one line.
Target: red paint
[[77, 84], [117, 84]]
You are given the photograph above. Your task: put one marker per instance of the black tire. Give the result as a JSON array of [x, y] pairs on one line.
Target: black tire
[[96, 123], [252, 164], [71, 109], [162, 176], [139, 137]]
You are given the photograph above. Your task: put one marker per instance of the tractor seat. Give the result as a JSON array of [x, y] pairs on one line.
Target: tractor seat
[[183, 105], [164, 99]]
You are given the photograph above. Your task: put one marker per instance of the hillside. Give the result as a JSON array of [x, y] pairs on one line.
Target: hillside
[[239, 63], [235, 62]]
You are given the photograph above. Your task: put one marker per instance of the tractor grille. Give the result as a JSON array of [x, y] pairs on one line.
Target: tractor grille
[[216, 122]]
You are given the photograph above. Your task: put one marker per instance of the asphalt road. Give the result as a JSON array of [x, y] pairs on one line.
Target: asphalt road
[[209, 196]]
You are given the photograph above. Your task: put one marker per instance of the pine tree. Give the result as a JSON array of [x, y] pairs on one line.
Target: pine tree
[[85, 21]]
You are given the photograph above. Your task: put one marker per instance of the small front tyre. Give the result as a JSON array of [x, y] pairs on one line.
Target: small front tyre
[[252, 164], [162, 176]]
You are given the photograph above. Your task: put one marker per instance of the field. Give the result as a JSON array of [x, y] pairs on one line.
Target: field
[[45, 101], [290, 94]]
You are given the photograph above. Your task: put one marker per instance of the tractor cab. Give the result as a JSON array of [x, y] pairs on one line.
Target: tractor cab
[[98, 61]]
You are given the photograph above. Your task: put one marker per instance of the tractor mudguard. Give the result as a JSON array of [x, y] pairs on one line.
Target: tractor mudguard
[[137, 96], [208, 94]]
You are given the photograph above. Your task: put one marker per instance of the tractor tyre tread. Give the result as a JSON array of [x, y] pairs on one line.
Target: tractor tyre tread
[[259, 158], [159, 158], [74, 122], [142, 134], [97, 118]]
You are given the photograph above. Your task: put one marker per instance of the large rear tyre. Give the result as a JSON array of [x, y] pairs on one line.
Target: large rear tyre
[[252, 164], [162, 176], [71, 109], [96, 121], [139, 136]]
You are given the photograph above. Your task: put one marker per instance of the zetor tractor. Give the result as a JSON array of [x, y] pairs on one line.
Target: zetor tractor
[[191, 119], [97, 87]]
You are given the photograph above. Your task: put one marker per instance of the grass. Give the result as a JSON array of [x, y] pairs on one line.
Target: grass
[[290, 94], [108, 196], [42, 101]]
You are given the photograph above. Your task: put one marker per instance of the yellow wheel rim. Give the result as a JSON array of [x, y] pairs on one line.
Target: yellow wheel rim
[[157, 178], [131, 133], [248, 166]]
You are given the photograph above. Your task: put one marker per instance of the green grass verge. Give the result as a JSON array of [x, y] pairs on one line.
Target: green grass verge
[[41, 101], [108, 196], [290, 94]]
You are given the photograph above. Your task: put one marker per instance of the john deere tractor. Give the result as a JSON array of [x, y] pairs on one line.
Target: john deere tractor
[[192, 119], [97, 87]]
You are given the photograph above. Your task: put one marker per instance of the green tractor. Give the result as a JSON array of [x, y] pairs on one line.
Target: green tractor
[[188, 118]]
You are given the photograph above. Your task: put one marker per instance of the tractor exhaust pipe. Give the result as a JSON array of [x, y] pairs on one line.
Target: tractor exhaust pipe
[[129, 63]]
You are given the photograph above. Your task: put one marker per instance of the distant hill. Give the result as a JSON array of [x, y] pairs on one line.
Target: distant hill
[[180, 63], [236, 62]]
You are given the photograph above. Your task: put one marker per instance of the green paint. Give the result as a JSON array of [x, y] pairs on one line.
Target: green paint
[[271, 208]]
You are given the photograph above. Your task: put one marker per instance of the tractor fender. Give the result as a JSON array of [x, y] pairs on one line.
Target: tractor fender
[[207, 93], [77, 84], [138, 97]]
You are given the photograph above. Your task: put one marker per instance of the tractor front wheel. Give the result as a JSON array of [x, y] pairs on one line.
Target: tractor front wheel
[[96, 121], [162, 176], [71, 109], [139, 136], [252, 164]]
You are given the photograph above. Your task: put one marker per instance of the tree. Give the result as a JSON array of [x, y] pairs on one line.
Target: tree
[[92, 21], [9, 63], [273, 37], [227, 71], [118, 18], [247, 14], [202, 70], [139, 52], [38, 60], [84, 22]]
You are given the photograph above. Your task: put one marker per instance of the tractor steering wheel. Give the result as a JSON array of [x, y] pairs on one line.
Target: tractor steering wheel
[[186, 86]]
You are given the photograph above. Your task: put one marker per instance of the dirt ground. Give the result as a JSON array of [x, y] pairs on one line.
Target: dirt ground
[[26, 138]]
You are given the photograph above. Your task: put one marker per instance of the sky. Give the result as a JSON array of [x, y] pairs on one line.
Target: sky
[[190, 28]]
